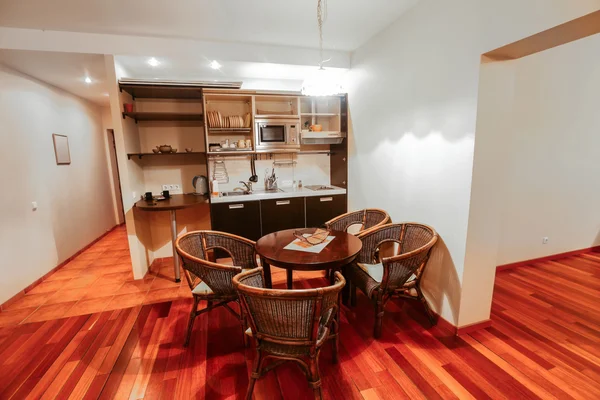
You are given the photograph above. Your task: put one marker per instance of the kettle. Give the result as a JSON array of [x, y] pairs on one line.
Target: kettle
[[200, 183]]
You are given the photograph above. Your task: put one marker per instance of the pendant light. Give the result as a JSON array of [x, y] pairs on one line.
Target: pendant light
[[321, 82]]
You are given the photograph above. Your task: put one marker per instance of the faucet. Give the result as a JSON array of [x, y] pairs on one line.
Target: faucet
[[248, 186]]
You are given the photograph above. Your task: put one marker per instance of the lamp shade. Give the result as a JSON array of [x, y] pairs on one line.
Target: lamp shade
[[322, 82]]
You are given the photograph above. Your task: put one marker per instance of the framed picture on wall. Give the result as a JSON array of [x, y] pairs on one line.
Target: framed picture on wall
[[61, 149]]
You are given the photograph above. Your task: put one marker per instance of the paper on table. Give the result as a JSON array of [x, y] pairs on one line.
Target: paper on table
[[299, 245]]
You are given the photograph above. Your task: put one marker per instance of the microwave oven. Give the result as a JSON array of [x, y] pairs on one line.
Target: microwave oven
[[277, 134]]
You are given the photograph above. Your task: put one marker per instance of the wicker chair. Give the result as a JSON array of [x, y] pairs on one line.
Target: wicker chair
[[399, 275], [367, 219], [211, 281], [290, 325]]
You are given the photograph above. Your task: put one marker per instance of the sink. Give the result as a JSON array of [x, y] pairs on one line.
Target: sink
[[236, 193]]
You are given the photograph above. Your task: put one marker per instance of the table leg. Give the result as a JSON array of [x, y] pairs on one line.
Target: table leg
[[266, 273], [173, 240], [346, 289], [290, 278]]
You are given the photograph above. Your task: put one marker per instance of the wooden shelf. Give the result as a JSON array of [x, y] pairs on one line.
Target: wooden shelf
[[229, 130], [163, 116], [184, 153], [276, 116], [319, 115], [328, 152], [147, 91], [231, 153]]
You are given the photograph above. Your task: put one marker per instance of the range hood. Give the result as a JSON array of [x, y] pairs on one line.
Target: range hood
[[325, 137], [175, 83]]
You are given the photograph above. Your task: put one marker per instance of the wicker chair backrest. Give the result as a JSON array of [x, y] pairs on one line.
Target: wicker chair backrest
[[415, 242], [287, 316], [192, 248], [367, 219]]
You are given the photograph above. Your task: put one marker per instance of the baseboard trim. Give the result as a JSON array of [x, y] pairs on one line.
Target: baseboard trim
[[22, 293], [454, 330], [547, 258], [463, 330]]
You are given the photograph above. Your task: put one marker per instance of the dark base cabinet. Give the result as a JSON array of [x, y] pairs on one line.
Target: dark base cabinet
[[242, 219], [254, 219], [281, 214], [320, 209]]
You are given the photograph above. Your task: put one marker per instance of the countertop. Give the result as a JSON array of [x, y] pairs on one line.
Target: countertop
[[285, 194], [175, 202]]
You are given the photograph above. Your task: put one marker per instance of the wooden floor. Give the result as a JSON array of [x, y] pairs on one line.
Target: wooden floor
[[544, 343], [98, 279]]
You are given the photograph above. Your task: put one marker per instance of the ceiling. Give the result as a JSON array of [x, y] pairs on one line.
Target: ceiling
[[68, 71], [63, 70], [349, 24], [193, 67]]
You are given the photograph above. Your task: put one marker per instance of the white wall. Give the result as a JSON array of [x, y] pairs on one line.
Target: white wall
[[553, 166], [75, 205], [413, 103]]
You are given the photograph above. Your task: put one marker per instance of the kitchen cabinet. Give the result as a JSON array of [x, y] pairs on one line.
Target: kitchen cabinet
[[320, 209], [239, 218], [280, 214]]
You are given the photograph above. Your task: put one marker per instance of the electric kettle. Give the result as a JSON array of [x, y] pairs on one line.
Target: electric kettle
[[200, 183]]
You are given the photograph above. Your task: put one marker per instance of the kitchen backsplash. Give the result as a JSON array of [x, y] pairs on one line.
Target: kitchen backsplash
[[311, 169]]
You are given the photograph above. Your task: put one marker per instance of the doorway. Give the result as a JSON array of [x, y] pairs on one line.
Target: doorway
[[116, 178]]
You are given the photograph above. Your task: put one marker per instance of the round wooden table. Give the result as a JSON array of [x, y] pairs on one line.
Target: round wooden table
[[341, 251], [172, 204]]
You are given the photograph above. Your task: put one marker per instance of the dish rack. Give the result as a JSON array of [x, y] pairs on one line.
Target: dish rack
[[220, 172], [218, 121]]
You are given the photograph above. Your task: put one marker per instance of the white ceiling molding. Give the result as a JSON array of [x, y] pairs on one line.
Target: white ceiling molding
[[77, 42]]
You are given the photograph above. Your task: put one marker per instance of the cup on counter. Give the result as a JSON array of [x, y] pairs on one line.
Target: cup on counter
[[248, 143], [166, 194], [148, 196]]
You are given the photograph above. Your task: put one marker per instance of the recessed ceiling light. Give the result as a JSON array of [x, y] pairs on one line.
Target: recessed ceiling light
[[153, 62], [88, 80], [214, 64]]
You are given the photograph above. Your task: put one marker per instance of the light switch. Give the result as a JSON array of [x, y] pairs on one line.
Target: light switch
[[34, 205]]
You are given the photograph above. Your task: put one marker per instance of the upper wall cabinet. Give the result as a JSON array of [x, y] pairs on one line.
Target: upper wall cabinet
[[324, 111], [229, 123], [276, 106]]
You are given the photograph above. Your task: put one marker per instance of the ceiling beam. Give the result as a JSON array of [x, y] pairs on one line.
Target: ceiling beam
[[576, 29], [95, 43]]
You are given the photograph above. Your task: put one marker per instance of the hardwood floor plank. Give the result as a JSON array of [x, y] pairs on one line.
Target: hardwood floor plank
[[544, 342]]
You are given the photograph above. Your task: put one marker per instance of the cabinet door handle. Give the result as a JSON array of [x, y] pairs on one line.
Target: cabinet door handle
[[326, 199], [282, 202], [235, 206]]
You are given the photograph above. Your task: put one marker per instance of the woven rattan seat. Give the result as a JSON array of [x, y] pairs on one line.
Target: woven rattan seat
[[290, 325], [400, 274], [211, 281]]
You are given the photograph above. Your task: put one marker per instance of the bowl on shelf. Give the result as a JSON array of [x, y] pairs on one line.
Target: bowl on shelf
[[173, 150], [155, 151], [316, 128], [164, 148], [188, 150]]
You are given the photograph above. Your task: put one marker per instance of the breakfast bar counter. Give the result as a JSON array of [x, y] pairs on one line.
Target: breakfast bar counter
[[172, 204]]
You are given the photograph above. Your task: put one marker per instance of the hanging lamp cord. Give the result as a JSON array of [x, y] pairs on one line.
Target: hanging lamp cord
[[321, 17]]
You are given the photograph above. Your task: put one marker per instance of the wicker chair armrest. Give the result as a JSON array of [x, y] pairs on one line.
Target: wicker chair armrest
[[403, 256]]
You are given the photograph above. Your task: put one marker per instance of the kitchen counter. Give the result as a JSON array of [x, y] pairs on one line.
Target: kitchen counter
[[284, 194], [175, 202]]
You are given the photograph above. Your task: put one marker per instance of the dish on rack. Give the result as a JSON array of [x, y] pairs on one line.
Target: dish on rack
[[216, 120]]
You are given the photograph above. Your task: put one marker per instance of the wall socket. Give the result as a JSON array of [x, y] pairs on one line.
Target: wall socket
[[545, 240], [173, 188]]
